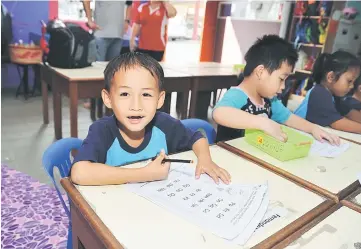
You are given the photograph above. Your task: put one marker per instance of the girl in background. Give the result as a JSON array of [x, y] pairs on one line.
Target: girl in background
[[335, 75], [350, 106]]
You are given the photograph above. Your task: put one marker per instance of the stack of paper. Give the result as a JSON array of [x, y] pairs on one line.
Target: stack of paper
[[229, 211]]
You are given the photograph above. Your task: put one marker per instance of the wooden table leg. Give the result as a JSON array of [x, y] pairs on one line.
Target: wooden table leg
[[92, 109], [184, 105], [194, 97], [44, 94], [167, 103], [203, 101], [73, 95], [100, 107], [57, 112], [179, 104]]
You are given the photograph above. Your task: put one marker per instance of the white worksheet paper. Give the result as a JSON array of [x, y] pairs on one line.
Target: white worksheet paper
[[327, 150], [229, 211]]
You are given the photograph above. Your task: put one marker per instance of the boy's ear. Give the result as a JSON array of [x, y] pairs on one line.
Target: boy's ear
[[161, 99], [106, 99], [330, 77], [259, 71]]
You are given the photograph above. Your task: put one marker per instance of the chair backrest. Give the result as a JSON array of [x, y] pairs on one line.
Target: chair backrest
[[58, 155], [198, 124]]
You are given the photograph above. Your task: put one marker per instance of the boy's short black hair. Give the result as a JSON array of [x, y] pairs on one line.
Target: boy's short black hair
[[131, 60], [270, 51]]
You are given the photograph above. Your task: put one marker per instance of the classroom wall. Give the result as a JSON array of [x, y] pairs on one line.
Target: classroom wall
[[26, 16], [239, 35]]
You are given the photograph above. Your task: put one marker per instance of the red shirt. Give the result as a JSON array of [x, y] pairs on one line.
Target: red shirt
[[153, 31]]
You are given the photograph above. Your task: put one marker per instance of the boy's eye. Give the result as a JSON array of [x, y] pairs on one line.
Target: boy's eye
[[147, 95], [124, 94]]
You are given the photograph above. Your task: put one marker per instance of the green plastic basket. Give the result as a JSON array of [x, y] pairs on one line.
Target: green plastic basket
[[297, 145]]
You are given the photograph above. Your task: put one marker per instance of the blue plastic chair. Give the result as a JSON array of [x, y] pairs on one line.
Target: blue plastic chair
[[200, 125], [58, 155]]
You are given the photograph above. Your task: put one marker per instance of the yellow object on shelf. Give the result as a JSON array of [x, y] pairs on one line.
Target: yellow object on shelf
[[297, 145], [239, 68]]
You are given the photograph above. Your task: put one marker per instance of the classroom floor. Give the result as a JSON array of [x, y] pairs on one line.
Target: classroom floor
[[25, 137]]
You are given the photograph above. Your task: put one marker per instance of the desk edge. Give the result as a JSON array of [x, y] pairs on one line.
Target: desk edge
[[105, 235]]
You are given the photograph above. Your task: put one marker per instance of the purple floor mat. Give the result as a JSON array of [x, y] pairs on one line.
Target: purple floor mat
[[31, 213]]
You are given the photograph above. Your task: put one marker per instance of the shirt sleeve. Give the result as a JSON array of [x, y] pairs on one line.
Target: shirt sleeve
[[235, 98], [321, 108], [179, 138], [95, 145], [280, 113], [345, 105]]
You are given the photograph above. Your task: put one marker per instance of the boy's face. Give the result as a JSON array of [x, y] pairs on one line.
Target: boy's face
[[134, 97], [272, 84]]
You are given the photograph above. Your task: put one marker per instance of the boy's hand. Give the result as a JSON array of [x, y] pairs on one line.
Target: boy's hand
[[322, 135], [272, 128], [213, 170], [155, 170]]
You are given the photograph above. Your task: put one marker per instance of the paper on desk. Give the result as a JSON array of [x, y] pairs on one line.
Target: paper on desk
[[327, 150], [229, 211]]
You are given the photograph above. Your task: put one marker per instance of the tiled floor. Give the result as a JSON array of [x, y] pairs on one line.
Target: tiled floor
[[25, 137]]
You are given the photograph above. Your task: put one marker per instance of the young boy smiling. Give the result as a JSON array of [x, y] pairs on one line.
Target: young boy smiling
[[136, 131]]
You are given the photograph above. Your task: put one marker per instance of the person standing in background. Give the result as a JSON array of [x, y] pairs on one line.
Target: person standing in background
[[111, 21], [150, 23]]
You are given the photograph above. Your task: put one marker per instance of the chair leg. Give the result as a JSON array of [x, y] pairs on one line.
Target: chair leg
[[69, 244]]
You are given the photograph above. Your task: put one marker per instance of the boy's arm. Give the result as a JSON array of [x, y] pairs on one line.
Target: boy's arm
[[205, 163], [89, 173], [303, 125], [238, 119]]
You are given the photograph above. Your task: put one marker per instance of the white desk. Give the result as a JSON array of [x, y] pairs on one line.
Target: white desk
[[351, 136], [321, 174], [340, 230], [138, 223]]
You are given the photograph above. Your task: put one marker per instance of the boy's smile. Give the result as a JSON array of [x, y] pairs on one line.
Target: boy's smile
[[134, 97]]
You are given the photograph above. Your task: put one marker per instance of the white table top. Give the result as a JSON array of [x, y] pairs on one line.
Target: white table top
[[340, 230], [130, 217], [332, 174], [174, 65], [95, 72], [171, 70], [352, 136], [208, 71]]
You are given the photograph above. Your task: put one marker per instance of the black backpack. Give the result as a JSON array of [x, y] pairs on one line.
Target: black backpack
[[70, 46], [6, 33]]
